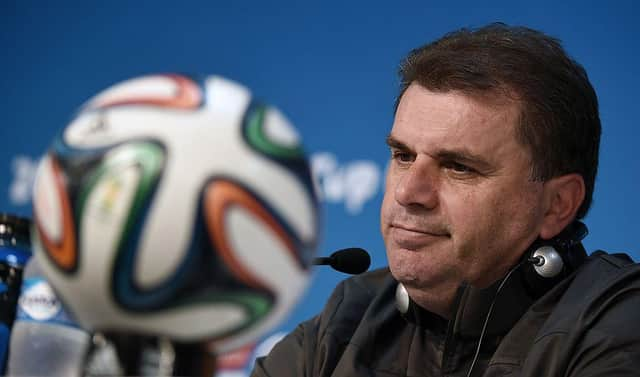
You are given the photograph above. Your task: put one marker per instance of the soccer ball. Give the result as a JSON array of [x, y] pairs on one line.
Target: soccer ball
[[178, 207]]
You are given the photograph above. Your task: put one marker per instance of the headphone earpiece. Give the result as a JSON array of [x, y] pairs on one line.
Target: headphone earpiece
[[549, 261], [402, 299]]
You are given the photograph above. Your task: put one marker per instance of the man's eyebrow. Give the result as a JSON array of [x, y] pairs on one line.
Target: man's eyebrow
[[392, 142], [464, 156]]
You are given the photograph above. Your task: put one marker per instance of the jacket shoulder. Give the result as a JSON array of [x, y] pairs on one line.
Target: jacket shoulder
[[593, 326], [602, 275], [603, 281], [316, 346]]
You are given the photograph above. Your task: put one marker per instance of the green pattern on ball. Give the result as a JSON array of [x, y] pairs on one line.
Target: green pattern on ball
[[149, 157], [257, 137]]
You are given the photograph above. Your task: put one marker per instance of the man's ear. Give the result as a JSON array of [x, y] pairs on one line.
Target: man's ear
[[563, 197]]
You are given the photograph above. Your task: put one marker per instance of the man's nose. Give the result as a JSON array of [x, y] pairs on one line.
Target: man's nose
[[417, 186]]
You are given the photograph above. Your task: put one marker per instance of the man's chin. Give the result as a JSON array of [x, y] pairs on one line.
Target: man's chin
[[421, 279], [435, 297], [407, 277]]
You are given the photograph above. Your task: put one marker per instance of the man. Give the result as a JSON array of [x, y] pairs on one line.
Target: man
[[494, 152]]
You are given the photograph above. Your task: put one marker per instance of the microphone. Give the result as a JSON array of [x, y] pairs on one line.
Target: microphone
[[352, 260]]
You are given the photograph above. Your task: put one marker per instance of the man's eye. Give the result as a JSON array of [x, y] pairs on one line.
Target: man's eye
[[402, 156], [458, 168]]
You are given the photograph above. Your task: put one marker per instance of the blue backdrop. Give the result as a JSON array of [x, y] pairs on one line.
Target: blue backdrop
[[330, 66]]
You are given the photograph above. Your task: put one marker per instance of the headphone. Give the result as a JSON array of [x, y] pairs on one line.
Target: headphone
[[544, 263], [547, 262]]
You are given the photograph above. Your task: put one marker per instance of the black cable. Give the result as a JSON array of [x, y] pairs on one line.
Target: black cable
[[486, 320]]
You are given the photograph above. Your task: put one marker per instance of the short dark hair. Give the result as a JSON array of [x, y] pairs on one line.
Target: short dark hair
[[559, 121]]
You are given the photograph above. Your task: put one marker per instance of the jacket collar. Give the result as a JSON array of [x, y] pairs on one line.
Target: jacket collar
[[472, 306]]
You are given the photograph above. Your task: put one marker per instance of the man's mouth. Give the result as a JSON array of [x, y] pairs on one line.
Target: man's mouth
[[413, 238], [420, 230]]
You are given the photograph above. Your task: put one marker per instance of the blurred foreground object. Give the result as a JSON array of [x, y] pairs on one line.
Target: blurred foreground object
[[45, 340], [15, 250], [179, 208]]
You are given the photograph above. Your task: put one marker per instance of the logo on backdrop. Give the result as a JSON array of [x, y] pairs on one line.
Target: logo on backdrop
[[353, 183], [24, 172]]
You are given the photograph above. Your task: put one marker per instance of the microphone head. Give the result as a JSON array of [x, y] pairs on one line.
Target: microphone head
[[352, 260]]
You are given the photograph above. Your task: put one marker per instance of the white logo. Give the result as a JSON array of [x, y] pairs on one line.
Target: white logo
[[24, 172], [39, 302], [354, 182]]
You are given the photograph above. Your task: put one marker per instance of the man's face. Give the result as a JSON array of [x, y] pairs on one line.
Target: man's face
[[459, 203]]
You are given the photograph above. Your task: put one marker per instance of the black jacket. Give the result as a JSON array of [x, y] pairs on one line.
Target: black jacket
[[587, 325]]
